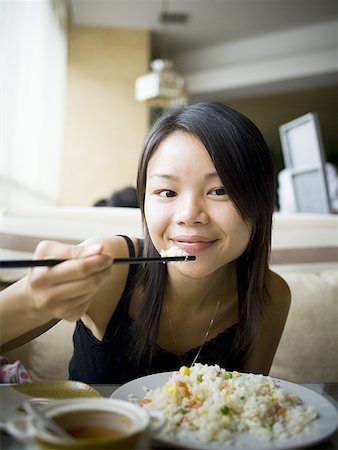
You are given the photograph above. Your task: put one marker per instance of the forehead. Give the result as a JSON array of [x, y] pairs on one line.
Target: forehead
[[179, 152]]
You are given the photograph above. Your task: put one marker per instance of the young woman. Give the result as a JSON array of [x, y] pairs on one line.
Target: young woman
[[205, 185]]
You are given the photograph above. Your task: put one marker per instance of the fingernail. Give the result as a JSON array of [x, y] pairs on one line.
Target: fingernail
[[93, 249]]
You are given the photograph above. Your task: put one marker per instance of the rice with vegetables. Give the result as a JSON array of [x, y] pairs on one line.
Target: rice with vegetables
[[213, 404]]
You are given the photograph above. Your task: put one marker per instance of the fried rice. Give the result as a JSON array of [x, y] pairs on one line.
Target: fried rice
[[212, 404]]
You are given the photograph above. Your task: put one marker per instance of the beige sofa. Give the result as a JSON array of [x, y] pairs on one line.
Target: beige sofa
[[304, 252]]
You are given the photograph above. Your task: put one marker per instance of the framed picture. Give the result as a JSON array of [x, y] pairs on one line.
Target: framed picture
[[304, 159]]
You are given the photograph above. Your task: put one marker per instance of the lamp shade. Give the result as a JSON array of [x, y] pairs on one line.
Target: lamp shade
[[163, 86]]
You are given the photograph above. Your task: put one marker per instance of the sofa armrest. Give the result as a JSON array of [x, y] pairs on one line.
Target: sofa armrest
[[21, 229]]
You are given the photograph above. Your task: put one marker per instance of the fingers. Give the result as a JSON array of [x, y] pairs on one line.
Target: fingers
[[58, 250], [65, 290], [70, 300], [81, 262], [68, 289]]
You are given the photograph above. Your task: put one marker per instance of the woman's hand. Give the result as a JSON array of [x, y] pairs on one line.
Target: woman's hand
[[65, 291]]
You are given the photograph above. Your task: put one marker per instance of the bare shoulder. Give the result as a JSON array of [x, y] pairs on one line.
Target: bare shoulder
[[260, 357], [279, 292]]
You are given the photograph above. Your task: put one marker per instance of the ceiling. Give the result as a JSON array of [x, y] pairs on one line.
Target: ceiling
[[209, 22], [232, 48]]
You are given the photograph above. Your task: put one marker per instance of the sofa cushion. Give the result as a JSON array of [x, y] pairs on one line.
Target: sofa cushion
[[47, 356], [308, 349]]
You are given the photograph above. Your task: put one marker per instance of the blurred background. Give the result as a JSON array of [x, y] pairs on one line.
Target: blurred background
[[78, 88]]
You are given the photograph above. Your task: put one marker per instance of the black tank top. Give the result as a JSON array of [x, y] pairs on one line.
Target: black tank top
[[109, 361]]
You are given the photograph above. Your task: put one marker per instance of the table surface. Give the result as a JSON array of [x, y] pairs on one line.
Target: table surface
[[327, 390]]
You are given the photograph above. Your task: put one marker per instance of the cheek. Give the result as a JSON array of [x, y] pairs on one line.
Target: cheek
[[238, 228], [151, 213], [155, 220]]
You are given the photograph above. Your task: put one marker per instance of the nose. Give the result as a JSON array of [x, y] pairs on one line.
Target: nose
[[191, 210]]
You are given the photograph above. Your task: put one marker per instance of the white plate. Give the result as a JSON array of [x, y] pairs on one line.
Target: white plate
[[318, 430]]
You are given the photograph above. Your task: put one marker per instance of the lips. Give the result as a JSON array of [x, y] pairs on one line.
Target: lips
[[193, 244]]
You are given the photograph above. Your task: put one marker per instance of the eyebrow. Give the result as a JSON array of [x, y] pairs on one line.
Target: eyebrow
[[164, 175], [174, 177]]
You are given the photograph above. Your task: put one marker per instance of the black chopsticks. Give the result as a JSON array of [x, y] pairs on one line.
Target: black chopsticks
[[20, 263]]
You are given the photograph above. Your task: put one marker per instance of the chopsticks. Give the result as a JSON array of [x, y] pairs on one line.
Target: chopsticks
[[19, 263]]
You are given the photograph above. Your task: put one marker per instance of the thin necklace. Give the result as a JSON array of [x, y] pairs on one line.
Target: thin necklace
[[205, 336]]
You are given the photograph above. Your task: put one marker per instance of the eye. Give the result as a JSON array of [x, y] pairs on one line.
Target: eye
[[167, 194], [218, 191]]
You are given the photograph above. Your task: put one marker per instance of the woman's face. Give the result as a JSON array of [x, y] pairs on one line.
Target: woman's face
[[186, 205]]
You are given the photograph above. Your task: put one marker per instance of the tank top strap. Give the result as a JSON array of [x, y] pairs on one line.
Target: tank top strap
[[140, 246], [129, 244], [122, 308]]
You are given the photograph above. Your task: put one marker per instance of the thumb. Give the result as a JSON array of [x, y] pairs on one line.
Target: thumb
[[59, 250], [83, 250]]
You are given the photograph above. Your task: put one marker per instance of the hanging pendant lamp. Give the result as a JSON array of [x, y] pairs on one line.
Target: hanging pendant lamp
[[162, 86]]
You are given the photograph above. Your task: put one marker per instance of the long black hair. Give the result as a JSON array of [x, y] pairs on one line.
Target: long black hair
[[244, 165]]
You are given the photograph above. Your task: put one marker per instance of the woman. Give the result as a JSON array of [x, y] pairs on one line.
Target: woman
[[205, 185]]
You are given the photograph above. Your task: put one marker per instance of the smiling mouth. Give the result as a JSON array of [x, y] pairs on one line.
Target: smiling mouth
[[193, 244]]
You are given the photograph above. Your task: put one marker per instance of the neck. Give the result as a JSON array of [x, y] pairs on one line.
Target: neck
[[184, 292]]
